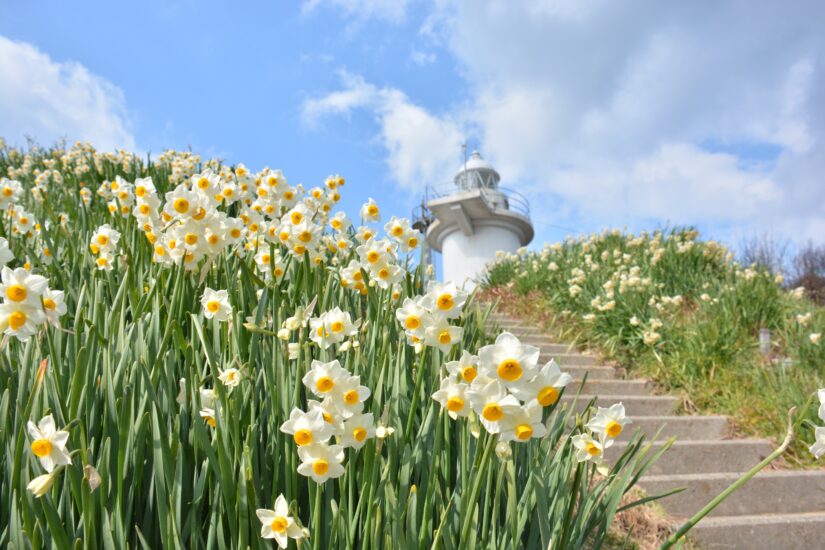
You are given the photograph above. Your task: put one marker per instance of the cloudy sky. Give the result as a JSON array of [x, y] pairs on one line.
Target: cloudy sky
[[636, 113]]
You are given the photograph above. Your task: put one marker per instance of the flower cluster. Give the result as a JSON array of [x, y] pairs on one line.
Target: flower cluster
[[505, 387], [28, 302], [606, 425], [426, 318], [104, 246], [339, 413]]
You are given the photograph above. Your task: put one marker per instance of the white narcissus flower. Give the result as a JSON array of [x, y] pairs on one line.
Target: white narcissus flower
[[49, 443], [414, 316], [522, 423], [20, 320], [181, 398], [54, 305], [21, 287], [509, 360], [307, 428], [609, 422], [821, 395], [278, 524], [230, 377], [370, 211], [814, 337], [208, 415], [546, 386], [490, 401], [322, 377], [321, 462], [216, 304], [442, 335], [588, 448], [349, 395], [357, 430], [446, 298], [452, 395], [818, 448], [466, 368]]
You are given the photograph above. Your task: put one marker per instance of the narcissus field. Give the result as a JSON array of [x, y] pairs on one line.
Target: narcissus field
[[196, 355]]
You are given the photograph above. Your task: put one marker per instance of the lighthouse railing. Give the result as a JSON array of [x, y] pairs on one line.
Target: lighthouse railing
[[513, 200]]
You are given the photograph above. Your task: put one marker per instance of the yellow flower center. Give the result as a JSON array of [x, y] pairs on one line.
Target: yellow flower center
[[445, 302], [279, 524], [203, 183], [510, 370], [48, 303], [235, 233], [455, 404], [93, 247], [412, 242], [190, 239], [181, 205], [296, 218], [593, 449], [351, 397], [214, 239], [320, 467], [336, 224], [444, 338], [102, 240], [324, 384], [305, 236], [7, 191], [17, 319], [337, 326], [548, 395], [359, 434], [492, 412], [41, 447], [412, 322], [302, 437], [524, 432], [469, 373], [213, 306], [211, 421], [373, 256], [397, 231], [16, 293], [372, 210], [144, 209], [613, 429]]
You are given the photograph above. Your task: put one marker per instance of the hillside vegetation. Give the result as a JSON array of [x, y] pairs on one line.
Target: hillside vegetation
[[680, 311]]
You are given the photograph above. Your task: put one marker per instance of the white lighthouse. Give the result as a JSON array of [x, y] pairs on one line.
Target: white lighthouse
[[471, 221]]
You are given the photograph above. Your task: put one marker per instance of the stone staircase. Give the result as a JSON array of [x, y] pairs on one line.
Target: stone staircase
[[775, 510]]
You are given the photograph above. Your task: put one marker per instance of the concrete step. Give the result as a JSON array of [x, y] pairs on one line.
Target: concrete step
[[594, 372], [550, 347], [613, 387], [704, 456], [768, 492], [642, 405], [761, 532], [681, 427], [568, 359]]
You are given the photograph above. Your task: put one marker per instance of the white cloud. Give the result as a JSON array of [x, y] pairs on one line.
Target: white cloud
[[423, 58], [649, 110], [421, 148], [387, 10], [49, 100]]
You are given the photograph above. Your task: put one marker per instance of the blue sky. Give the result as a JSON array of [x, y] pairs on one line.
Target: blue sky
[[636, 114]]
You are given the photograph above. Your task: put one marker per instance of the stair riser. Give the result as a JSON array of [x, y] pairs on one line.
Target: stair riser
[[771, 492], [567, 360], [683, 428], [804, 532], [593, 373], [697, 457], [634, 405], [612, 387]]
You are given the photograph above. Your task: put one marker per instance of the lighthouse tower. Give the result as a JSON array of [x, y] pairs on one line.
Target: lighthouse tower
[[473, 219]]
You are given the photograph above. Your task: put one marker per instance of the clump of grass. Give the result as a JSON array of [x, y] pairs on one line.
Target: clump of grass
[[679, 310]]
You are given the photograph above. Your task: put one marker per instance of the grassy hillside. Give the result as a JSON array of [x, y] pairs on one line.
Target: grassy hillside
[[679, 310]]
